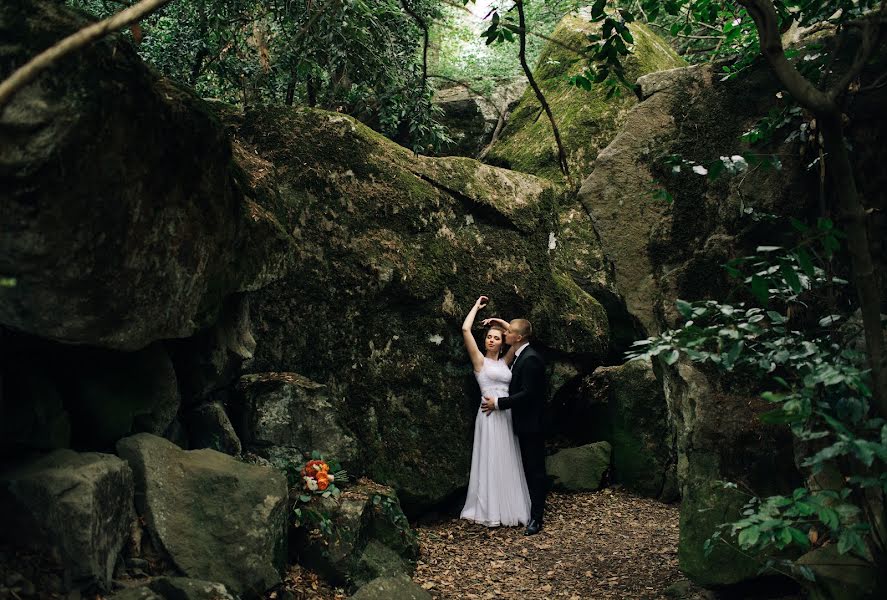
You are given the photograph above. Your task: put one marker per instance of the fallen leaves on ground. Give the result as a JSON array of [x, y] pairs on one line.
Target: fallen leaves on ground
[[606, 544]]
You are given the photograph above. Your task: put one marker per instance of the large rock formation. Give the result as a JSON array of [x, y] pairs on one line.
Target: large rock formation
[[587, 121], [392, 251], [122, 221], [472, 117], [217, 518], [75, 507]]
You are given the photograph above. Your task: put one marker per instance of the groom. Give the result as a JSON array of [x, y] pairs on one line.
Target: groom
[[526, 399]]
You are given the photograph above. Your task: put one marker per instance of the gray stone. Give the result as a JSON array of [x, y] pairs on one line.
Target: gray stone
[[175, 588], [841, 576], [369, 536], [142, 592], [391, 588], [209, 427], [288, 411], [77, 507], [182, 588], [144, 245], [579, 469], [626, 407], [217, 518]]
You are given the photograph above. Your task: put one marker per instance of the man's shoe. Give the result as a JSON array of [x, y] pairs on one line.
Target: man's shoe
[[533, 527]]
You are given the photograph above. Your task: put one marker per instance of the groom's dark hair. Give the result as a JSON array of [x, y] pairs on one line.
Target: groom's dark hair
[[523, 328]]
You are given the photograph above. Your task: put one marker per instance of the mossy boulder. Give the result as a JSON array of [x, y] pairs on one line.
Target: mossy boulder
[[76, 507], [217, 519], [178, 588], [392, 251], [579, 469], [842, 576], [367, 535], [287, 415], [123, 221], [719, 438], [660, 250], [587, 121], [471, 116], [627, 408], [391, 588]]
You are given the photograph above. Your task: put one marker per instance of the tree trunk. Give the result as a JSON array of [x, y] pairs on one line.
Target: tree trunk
[[852, 215], [291, 90]]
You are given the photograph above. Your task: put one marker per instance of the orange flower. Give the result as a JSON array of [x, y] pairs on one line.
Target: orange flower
[[323, 481], [312, 467]]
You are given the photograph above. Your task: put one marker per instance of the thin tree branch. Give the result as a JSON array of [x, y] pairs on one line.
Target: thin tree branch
[[522, 56], [871, 32], [424, 26], [30, 70], [764, 15]]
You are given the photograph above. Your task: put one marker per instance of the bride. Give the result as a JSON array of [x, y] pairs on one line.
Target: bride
[[497, 487]]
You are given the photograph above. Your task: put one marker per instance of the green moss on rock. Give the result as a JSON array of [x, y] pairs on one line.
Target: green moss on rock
[[391, 252], [587, 121]]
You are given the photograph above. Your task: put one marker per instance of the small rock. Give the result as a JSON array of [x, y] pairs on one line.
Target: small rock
[[679, 589], [136, 563]]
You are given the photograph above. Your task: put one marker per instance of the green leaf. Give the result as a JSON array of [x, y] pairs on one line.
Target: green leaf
[[749, 537], [671, 357], [597, 9], [685, 308], [791, 278], [760, 288], [805, 262], [798, 225]]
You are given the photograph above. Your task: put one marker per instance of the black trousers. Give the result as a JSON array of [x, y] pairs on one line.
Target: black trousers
[[532, 453]]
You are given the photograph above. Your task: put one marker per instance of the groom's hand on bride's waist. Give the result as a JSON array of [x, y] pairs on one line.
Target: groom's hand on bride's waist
[[488, 405]]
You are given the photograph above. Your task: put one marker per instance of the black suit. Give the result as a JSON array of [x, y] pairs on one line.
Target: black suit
[[526, 399]]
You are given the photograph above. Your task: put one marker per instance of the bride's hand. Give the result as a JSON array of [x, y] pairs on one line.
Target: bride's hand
[[486, 322], [482, 302]]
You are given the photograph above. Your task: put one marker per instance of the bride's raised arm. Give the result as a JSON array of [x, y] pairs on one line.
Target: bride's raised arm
[[477, 357]]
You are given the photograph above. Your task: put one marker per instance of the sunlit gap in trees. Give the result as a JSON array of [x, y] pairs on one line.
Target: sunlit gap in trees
[[462, 42]]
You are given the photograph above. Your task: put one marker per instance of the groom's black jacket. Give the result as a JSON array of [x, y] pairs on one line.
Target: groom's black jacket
[[526, 392]]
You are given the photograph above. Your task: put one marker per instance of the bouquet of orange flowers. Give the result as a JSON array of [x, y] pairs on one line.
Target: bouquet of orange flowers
[[319, 477]]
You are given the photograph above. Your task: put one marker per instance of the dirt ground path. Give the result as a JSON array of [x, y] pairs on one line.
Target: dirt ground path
[[606, 544]]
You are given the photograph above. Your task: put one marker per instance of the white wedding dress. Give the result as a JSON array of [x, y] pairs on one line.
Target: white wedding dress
[[497, 487]]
